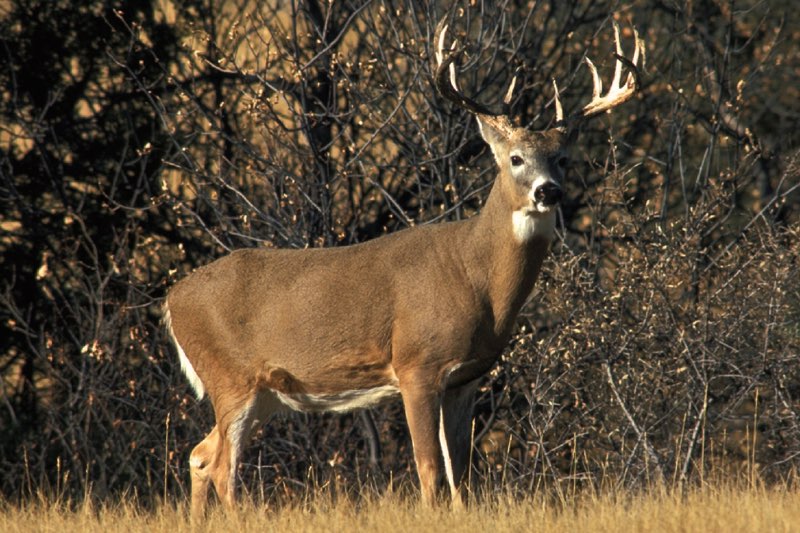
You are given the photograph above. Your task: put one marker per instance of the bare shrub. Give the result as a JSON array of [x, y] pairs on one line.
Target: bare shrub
[[661, 341]]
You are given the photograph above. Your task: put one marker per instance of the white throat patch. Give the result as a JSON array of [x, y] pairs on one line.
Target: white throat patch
[[528, 224]]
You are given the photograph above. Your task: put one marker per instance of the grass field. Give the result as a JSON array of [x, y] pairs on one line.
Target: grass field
[[711, 508]]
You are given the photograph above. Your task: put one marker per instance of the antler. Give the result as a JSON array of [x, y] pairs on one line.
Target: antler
[[446, 76], [617, 93]]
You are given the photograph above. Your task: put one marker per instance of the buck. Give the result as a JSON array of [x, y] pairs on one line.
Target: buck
[[421, 314]]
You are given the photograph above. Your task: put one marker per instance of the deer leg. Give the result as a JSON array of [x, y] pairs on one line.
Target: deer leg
[[215, 459], [454, 437], [200, 461], [235, 433], [210, 461], [422, 406]]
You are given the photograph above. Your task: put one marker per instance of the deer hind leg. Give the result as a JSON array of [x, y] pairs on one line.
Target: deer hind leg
[[454, 437], [422, 407], [201, 462], [215, 459]]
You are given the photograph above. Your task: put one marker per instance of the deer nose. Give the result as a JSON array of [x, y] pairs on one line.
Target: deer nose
[[548, 194]]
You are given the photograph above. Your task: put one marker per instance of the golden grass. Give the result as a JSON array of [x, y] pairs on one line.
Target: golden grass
[[712, 508]]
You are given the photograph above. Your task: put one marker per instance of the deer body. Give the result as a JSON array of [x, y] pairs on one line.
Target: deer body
[[418, 313], [421, 314], [333, 320]]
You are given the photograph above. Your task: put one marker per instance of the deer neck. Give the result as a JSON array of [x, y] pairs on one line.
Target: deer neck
[[509, 248]]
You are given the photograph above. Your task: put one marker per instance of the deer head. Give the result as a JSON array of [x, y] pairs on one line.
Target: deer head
[[532, 163]]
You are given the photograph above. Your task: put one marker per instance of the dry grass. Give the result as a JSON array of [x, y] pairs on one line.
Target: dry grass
[[711, 508]]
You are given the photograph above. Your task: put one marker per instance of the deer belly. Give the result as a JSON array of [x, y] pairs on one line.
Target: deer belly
[[339, 401], [336, 389]]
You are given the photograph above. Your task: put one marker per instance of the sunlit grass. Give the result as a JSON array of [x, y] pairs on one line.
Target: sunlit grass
[[722, 507]]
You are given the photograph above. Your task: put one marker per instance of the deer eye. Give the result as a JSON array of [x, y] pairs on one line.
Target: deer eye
[[516, 160], [562, 161]]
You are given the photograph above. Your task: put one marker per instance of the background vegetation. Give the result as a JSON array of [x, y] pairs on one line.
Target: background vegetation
[[139, 140]]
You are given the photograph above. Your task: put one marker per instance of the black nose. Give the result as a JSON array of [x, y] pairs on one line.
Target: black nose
[[548, 194]]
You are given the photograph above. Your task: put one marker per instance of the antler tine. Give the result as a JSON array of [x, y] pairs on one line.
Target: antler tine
[[597, 83], [619, 91], [441, 32], [510, 91], [559, 109], [617, 64], [446, 75], [639, 48]]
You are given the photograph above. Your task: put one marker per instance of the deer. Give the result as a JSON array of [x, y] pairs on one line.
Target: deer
[[420, 314]]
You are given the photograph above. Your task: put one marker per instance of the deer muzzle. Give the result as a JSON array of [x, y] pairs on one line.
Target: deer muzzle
[[548, 194]]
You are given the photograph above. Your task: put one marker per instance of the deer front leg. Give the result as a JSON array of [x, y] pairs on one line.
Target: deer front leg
[[422, 403], [454, 436]]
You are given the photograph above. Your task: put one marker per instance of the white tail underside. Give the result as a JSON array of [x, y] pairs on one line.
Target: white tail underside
[[186, 366]]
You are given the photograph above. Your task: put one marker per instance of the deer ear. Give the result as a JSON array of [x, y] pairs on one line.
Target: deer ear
[[495, 131]]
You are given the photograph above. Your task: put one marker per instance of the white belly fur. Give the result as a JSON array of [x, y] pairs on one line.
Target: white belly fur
[[343, 401]]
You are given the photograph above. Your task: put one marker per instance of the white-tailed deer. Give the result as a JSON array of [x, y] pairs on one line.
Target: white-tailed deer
[[421, 314]]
